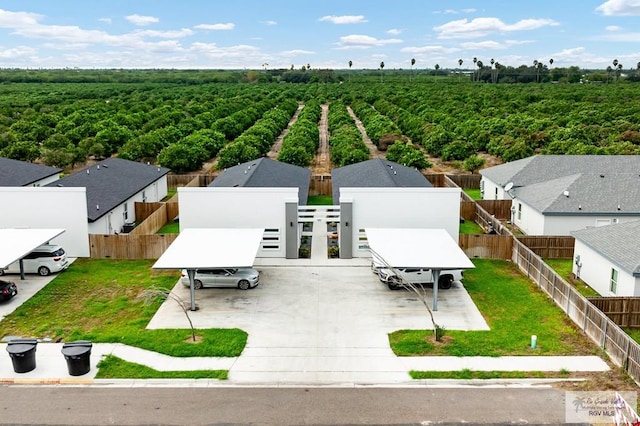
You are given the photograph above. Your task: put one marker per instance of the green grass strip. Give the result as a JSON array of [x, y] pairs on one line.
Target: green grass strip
[[467, 374], [113, 367]]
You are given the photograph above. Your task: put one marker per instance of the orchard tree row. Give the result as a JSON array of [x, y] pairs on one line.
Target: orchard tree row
[[301, 143], [345, 141]]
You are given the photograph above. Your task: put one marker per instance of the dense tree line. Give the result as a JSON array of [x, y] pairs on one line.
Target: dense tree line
[[345, 140], [301, 143]]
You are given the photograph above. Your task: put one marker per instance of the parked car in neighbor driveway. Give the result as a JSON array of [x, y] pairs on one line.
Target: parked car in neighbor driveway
[[393, 277], [44, 260], [8, 289], [242, 278]]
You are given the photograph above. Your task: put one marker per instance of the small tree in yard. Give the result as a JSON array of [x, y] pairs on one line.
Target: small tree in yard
[[419, 291], [473, 163], [152, 294]]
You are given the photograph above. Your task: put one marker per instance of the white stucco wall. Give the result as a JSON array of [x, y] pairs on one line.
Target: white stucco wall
[[490, 188], [46, 181], [38, 207], [402, 208], [213, 207], [596, 272], [530, 221]]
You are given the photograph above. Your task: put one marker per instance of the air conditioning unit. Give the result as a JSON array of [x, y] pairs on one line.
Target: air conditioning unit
[[128, 227]]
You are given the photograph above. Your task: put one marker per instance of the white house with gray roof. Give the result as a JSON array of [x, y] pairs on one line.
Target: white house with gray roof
[[22, 173], [607, 258], [112, 187], [557, 194]]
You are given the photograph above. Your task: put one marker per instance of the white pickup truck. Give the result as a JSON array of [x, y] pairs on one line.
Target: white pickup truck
[[418, 276]]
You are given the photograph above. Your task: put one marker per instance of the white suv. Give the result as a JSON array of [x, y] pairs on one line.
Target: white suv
[[391, 277], [42, 261]]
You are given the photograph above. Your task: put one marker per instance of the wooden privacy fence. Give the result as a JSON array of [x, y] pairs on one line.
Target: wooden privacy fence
[[559, 247], [153, 216], [622, 349], [486, 246], [174, 181], [320, 185], [129, 246], [624, 311]]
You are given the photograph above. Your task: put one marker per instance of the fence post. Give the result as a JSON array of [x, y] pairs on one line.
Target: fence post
[[568, 301], [625, 364], [604, 332]]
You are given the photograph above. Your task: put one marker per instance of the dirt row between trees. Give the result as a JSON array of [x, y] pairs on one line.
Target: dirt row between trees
[[374, 152], [277, 145], [322, 161]]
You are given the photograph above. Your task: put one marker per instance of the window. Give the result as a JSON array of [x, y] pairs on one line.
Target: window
[[144, 196], [613, 283], [603, 222], [519, 211], [496, 192], [125, 213]]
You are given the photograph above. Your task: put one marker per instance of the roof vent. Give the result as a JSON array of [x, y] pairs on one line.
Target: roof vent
[[601, 175], [618, 206], [98, 167], [105, 166], [245, 172], [579, 206], [97, 206], [59, 185], [395, 173], [566, 194], [158, 169], [148, 163]]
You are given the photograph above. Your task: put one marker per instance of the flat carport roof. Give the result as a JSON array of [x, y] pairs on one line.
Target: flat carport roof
[[196, 248], [431, 249], [22, 241]]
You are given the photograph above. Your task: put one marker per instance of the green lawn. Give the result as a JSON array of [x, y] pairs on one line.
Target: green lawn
[[169, 228], [514, 309], [474, 193], [320, 200], [98, 300], [470, 227], [113, 367], [564, 268]]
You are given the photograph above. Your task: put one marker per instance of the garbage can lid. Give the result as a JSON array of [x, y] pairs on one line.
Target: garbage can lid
[[18, 346], [79, 347]]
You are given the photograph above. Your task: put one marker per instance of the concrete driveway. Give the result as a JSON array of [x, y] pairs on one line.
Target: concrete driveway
[[319, 324]]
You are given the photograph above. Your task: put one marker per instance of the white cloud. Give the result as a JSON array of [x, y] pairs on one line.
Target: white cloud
[[613, 28], [345, 19], [17, 19], [620, 8], [269, 22], [296, 52], [620, 36], [141, 20], [184, 32], [487, 44], [394, 31], [480, 27], [105, 20], [17, 52], [429, 49], [454, 11], [358, 41], [216, 27]]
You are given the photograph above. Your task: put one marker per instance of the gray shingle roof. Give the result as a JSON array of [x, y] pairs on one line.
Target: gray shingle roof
[[266, 173], [111, 182], [596, 184], [617, 242], [22, 173], [375, 173]]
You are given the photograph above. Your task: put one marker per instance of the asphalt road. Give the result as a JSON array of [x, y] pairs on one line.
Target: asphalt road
[[278, 406]]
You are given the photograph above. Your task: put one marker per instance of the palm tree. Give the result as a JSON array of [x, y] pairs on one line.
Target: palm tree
[[609, 69], [497, 71], [413, 62], [475, 61], [480, 66], [618, 71], [492, 62], [550, 62], [638, 68], [350, 65], [535, 65], [460, 62], [381, 71], [308, 66], [437, 67]]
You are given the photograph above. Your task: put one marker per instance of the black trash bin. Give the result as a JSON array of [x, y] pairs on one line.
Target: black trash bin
[[78, 356], [23, 354]]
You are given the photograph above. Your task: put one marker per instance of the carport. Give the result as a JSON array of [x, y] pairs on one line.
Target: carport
[[197, 248], [16, 243], [418, 248]]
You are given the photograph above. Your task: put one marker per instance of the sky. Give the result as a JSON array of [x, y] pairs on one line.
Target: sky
[[267, 34]]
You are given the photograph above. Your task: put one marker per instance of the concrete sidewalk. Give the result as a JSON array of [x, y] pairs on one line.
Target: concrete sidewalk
[[284, 367]]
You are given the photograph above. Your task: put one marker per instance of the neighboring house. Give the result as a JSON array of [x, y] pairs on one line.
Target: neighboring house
[[266, 173], [112, 187], [376, 173], [557, 194], [607, 258], [22, 173]]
